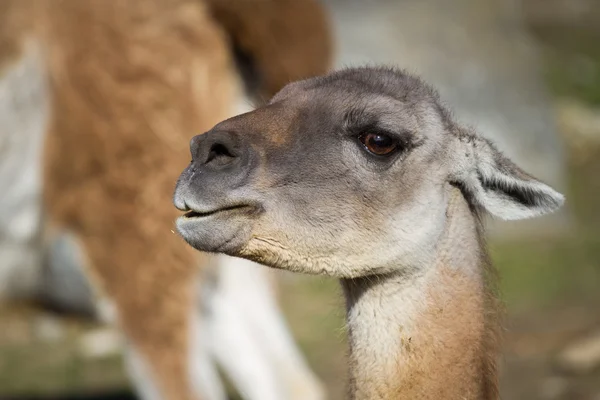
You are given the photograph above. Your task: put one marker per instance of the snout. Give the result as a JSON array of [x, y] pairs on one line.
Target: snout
[[212, 191], [219, 151], [221, 163]]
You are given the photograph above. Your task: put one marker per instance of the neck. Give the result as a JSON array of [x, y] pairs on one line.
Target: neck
[[428, 334]]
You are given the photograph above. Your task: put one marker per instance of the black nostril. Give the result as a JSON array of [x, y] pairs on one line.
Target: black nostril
[[217, 150], [219, 153]]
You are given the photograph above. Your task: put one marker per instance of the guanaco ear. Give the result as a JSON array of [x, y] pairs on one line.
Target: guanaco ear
[[491, 181]]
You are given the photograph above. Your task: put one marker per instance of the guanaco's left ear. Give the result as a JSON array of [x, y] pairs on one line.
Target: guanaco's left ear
[[494, 183]]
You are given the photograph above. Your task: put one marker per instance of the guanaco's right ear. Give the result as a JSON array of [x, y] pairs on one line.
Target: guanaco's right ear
[[492, 182]]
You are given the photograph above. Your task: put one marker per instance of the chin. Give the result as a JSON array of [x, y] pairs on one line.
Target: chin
[[215, 235]]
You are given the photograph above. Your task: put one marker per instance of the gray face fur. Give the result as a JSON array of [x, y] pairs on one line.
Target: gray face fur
[[292, 186]]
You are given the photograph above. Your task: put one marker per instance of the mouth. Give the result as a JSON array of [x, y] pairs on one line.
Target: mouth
[[223, 229], [194, 214]]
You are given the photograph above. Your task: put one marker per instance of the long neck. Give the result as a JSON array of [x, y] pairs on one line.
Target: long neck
[[431, 334]]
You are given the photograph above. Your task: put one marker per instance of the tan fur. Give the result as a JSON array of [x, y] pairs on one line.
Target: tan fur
[[284, 38], [447, 334], [11, 31], [452, 332], [454, 317], [155, 73], [132, 82]]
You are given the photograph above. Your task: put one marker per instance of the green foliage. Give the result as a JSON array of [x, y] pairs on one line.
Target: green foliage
[[572, 62]]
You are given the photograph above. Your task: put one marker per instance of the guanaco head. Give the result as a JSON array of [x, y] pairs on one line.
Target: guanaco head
[[347, 175]]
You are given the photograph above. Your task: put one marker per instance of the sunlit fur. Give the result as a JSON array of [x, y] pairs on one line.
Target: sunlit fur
[[403, 232]]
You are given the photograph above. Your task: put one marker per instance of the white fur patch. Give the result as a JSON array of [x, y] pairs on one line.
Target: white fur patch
[[234, 346], [139, 372], [24, 117], [380, 321], [107, 310], [203, 371], [248, 288]]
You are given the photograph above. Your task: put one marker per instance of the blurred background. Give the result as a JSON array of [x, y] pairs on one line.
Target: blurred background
[[526, 73]]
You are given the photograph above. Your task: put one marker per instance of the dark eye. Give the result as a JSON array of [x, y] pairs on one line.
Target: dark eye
[[378, 143]]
